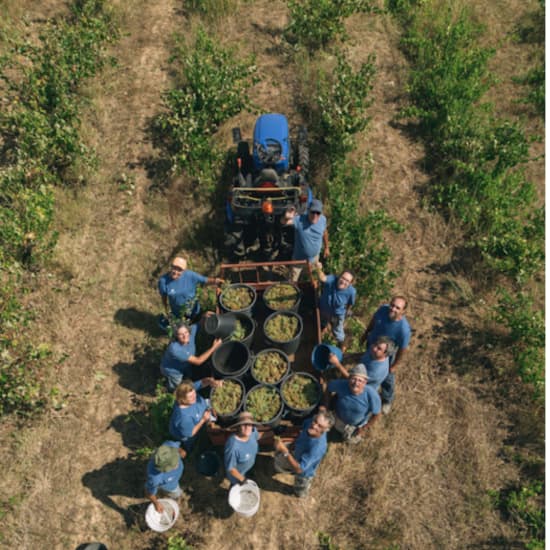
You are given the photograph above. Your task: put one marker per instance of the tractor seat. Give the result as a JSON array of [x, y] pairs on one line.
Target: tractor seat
[[267, 175]]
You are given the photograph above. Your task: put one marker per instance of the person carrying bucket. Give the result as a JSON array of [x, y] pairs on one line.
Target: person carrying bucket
[[337, 299], [164, 471], [309, 449], [241, 448]]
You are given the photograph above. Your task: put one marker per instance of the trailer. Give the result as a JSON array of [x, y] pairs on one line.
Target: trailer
[[261, 275]]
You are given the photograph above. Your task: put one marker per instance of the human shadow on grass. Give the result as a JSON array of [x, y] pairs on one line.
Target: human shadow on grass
[[142, 375], [124, 477], [140, 320]]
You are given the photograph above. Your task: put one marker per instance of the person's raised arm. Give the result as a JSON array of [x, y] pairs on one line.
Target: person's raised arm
[[194, 360], [288, 217], [334, 361], [326, 250]]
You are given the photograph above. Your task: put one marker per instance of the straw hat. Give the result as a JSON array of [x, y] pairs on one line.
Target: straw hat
[[244, 418]]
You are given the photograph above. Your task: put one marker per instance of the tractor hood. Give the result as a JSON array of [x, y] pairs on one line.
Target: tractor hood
[[271, 143]]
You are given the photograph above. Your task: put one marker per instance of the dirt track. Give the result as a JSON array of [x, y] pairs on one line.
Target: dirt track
[[421, 477]]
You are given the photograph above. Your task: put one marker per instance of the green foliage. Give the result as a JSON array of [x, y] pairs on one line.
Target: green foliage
[[160, 411], [212, 88], [525, 507], [20, 359], [534, 79], [316, 23], [449, 71], [342, 101], [358, 240], [213, 10], [176, 542], [39, 137], [527, 338], [474, 156], [325, 542]]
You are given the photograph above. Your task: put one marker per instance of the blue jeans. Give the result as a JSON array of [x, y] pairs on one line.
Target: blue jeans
[[388, 388], [336, 324]]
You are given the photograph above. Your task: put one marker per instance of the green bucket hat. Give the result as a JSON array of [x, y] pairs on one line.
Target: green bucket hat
[[166, 458]]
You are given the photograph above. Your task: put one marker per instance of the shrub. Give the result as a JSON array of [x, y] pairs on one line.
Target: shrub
[[342, 101], [212, 87], [316, 23], [474, 157], [39, 137], [527, 336], [358, 239], [160, 411], [525, 508]]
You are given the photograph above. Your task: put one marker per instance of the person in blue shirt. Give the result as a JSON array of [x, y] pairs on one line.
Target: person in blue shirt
[[241, 449], [337, 299], [164, 471], [178, 289], [191, 411], [310, 233], [309, 449], [375, 360], [389, 320], [179, 357], [357, 406]]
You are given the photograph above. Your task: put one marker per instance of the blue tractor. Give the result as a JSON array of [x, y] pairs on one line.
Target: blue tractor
[[268, 180]]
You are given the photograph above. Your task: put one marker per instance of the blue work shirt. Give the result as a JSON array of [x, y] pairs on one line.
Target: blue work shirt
[[354, 409], [334, 301], [240, 454], [376, 370], [182, 291], [309, 451], [166, 481], [176, 357], [398, 331], [184, 419], [308, 237]]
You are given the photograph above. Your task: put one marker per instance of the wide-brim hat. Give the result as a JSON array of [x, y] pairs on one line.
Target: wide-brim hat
[[167, 458], [244, 418]]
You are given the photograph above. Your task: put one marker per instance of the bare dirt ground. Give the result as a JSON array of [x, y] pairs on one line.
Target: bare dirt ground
[[418, 481]]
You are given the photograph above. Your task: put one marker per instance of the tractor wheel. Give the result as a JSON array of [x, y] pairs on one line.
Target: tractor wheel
[[303, 150], [234, 243]]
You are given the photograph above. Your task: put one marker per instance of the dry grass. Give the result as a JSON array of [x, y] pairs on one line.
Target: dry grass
[[420, 478]]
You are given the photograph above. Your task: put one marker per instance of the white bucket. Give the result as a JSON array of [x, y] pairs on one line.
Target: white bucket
[[162, 522], [245, 499]]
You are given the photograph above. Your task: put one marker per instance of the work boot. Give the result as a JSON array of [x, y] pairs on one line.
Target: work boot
[[386, 408]]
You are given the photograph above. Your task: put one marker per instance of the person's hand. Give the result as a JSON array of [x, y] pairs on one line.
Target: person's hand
[[183, 452], [392, 369], [208, 313], [217, 343], [278, 445], [216, 383], [243, 481], [332, 359], [326, 252], [159, 507], [220, 281], [206, 416]]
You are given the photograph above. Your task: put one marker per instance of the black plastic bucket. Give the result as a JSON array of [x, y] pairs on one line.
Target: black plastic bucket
[[283, 305], [220, 326], [264, 393], [231, 359], [249, 325], [238, 286], [302, 381], [289, 346], [284, 357], [228, 417]]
